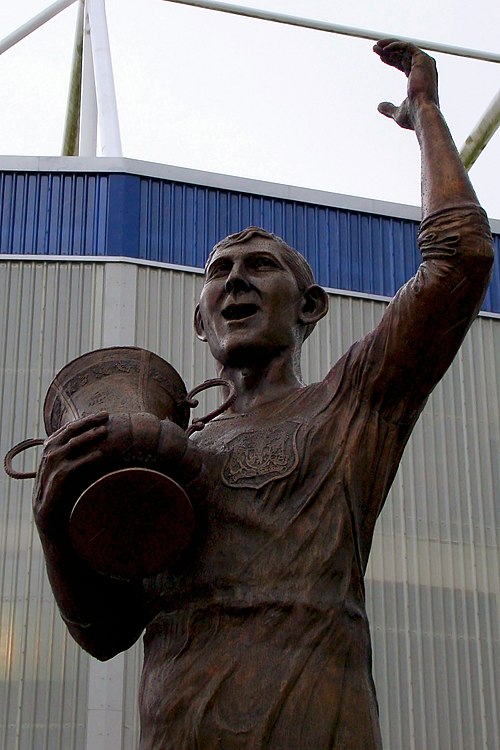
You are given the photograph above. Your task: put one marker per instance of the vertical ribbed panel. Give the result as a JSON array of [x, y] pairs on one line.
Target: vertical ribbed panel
[[49, 313], [348, 249], [435, 583], [433, 580], [53, 213], [172, 222]]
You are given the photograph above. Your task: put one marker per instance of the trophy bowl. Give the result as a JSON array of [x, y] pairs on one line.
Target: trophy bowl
[[131, 521], [119, 379]]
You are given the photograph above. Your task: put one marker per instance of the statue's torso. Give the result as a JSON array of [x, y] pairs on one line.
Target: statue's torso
[[265, 643]]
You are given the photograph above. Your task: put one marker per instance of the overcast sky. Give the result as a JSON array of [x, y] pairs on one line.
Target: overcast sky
[[226, 94]]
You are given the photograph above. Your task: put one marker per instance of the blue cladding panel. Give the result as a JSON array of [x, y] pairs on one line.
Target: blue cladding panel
[[179, 223], [53, 214], [123, 226], [161, 220]]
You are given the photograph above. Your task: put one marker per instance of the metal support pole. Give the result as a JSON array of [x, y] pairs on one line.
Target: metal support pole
[[105, 703], [482, 133], [88, 107], [35, 23], [309, 23], [73, 111], [109, 127]]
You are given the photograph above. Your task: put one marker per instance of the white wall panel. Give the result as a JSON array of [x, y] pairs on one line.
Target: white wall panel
[[49, 313]]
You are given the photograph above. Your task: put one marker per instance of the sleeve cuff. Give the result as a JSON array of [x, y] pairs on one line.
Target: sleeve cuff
[[462, 230]]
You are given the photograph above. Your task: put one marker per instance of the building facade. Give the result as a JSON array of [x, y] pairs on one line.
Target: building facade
[[103, 252]]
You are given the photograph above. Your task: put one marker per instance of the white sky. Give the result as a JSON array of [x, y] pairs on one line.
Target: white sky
[[221, 93]]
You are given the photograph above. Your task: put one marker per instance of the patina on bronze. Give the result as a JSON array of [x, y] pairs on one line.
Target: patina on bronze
[[132, 521], [260, 640]]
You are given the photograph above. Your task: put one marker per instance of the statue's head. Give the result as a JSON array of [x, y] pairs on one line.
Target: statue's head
[[296, 262], [259, 298]]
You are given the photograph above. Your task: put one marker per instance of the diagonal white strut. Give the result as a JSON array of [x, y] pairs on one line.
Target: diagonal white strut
[[35, 23], [482, 134]]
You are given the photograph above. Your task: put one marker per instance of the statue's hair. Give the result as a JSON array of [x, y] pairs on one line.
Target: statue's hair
[[296, 262]]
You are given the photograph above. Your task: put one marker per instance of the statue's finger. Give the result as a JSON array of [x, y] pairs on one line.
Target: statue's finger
[[396, 53], [388, 109], [396, 46], [77, 426], [383, 44], [394, 59]]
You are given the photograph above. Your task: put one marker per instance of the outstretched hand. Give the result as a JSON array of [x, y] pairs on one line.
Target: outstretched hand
[[420, 69]]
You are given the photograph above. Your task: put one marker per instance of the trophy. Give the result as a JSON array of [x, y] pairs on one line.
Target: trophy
[[131, 521]]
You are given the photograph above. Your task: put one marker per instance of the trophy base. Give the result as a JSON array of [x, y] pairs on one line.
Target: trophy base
[[132, 523]]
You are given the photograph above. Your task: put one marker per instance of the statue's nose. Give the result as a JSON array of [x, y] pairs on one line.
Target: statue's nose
[[237, 280]]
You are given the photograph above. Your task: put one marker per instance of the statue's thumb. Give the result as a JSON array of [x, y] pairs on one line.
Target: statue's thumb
[[387, 109]]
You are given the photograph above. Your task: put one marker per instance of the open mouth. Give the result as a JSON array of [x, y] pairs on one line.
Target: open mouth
[[239, 312]]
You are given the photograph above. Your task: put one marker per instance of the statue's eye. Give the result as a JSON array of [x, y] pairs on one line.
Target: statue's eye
[[263, 262], [218, 269]]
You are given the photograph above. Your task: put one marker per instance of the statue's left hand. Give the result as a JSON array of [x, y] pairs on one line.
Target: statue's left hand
[[145, 440], [420, 69]]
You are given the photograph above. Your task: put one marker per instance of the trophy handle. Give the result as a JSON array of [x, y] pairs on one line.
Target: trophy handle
[[196, 425], [200, 422], [7, 462]]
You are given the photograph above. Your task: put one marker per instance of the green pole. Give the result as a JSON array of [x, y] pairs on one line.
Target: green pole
[[72, 124], [482, 133]]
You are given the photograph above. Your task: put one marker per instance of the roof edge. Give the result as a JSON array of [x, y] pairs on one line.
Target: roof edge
[[122, 165], [208, 179]]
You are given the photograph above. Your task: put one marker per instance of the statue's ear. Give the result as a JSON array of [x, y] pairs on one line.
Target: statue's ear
[[198, 324], [314, 305]]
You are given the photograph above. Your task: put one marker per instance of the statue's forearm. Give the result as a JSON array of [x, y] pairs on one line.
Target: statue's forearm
[[445, 183], [104, 615]]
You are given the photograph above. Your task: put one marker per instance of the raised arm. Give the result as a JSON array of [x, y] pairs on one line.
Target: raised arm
[[445, 183], [423, 327]]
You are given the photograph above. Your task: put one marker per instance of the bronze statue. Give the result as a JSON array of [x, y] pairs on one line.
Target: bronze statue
[[259, 639]]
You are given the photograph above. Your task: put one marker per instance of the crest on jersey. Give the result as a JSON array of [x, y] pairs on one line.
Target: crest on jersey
[[262, 455]]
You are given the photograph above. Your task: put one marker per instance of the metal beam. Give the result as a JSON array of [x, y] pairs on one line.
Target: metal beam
[[88, 107], [482, 133], [309, 23], [73, 110], [109, 126], [35, 23]]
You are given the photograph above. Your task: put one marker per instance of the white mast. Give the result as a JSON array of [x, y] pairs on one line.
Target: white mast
[[92, 98]]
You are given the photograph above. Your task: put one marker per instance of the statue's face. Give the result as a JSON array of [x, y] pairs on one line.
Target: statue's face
[[250, 303]]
